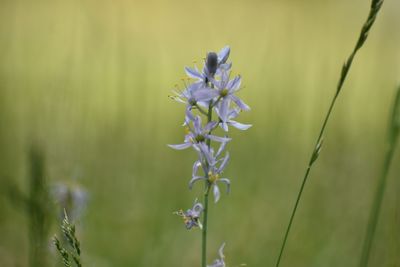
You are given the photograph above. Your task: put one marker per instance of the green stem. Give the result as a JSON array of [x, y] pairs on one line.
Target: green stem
[[292, 216], [375, 211], [206, 193], [202, 111], [375, 7], [393, 131], [313, 157], [204, 232], [217, 101]]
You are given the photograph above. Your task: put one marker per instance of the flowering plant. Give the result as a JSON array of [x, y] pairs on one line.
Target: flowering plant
[[209, 90]]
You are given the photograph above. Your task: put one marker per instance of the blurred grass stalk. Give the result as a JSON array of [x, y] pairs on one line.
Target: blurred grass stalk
[[375, 7], [38, 207], [393, 134]]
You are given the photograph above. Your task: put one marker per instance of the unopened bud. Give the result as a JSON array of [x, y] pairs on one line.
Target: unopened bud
[[212, 62]]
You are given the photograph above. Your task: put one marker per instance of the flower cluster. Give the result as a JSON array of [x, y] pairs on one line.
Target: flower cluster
[[211, 90]]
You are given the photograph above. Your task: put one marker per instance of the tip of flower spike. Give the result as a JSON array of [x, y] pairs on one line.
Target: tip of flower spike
[[212, 62]]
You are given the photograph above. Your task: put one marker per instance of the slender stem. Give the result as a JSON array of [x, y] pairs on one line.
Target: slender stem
[[393, 131], [206, 193], [202, 111], [292, 216], [311, 161], [375, 7], [204, 233], [375, 211], [216, 101]]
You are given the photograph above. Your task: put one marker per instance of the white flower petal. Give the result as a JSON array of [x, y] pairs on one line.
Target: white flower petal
[[240, 126], [216, 193], [192, 73], [227, 182], [223, 54], [181, 146], [218, 138], [195, 179]]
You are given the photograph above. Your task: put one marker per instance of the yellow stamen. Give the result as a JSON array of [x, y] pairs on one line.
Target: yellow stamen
[[213, 177], [187, 130]]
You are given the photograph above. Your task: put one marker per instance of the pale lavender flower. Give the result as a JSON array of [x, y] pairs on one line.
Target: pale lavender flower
[[187, 96], [192, 99], [227, 115], [213, 172], [207, 157], [191, 217], [225, 90], [199, 135], [206, 94], [70, 197], [221, 261]]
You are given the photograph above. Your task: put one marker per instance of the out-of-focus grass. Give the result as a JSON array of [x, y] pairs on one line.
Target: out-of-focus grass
[[90, 80]]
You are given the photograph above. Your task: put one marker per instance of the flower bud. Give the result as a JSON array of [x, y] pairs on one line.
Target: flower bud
[[212, 63]]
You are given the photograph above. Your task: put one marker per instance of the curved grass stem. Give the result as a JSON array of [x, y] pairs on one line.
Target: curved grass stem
[[394, 127], [375, 7]]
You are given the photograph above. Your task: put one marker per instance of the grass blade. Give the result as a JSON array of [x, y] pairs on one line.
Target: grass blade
[[375, 7], [393, 133]]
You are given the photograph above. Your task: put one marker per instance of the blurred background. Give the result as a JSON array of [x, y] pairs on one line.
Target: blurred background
[[84, 103]]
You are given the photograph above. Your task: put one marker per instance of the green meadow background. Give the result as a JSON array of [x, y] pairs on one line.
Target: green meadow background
[[88, 81]]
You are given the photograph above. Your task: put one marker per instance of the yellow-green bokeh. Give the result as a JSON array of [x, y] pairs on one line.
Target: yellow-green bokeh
[[89, 80]]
